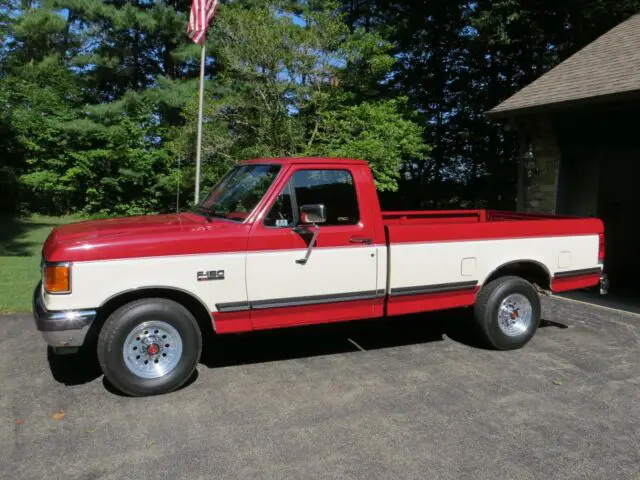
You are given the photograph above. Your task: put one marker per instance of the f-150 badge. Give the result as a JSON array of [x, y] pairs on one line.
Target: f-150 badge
[[205, 276]]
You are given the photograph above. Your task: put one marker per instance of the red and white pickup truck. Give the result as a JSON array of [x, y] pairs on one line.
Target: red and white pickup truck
[[297, 241]]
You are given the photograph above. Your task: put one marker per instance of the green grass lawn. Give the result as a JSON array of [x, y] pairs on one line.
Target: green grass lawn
[[21, 242]]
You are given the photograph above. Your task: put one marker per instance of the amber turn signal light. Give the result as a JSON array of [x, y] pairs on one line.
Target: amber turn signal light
[[57, 278]]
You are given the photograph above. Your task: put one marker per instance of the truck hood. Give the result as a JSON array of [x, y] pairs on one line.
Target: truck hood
[[149, 235], [92, 230]]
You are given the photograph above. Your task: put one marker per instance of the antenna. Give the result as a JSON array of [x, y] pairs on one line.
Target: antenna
[[178, 183]]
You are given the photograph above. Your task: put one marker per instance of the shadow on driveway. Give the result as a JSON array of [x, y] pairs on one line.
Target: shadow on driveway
[[621, 299], [300, 342], [74, 369]]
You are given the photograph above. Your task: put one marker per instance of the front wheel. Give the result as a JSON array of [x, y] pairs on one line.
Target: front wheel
[[507, 312], [149, 347]]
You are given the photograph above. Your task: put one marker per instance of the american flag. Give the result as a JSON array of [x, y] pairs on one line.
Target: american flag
[[202, 11]]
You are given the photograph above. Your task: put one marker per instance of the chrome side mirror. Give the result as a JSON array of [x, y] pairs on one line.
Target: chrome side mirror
[[313, 213]]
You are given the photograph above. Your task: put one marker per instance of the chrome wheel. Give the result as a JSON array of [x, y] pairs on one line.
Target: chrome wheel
[[152, 349], [515, 315]]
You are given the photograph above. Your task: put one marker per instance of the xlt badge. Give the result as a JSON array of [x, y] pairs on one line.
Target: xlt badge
[[205, 276]]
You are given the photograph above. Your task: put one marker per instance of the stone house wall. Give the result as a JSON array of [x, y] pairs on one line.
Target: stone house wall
[[541, 182]]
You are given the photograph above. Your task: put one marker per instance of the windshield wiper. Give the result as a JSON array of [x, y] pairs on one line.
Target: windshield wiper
[[208, 213]]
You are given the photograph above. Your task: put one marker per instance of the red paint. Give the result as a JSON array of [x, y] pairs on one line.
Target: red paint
[[270, 238], [313, 314], [192, 234], [403, 305], [308, 161], [429, 217], [466, 225], [601, 248], [145, 236], [419, 232], [232, 322], [472, 216], [565, 284]]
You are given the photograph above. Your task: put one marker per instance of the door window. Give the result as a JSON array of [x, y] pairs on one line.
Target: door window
[[333, 188]]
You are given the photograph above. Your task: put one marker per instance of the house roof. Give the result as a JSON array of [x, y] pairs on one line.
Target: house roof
[[607, 67]]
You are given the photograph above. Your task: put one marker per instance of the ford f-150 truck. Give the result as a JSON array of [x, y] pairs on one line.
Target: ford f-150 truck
[[295, 241]]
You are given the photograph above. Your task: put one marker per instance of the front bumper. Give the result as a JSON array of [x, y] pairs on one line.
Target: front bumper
[[63, 328]]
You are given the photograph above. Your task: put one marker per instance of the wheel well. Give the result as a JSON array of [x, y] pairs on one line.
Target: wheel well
[[531, 271], [191, 303]]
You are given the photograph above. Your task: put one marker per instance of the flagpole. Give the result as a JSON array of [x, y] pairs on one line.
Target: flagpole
[[199, 140]]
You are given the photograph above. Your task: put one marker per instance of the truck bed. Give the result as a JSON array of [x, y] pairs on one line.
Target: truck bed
[[439, 259]]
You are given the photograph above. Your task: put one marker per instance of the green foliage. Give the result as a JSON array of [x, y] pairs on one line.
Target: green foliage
[[42, 98], [458, 59], [98, 99], [286, 79], [376, 132], [90, 95]]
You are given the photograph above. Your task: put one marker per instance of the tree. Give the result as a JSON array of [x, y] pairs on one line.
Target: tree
[[286, 84], [93, 88], [98, 99], [457, 60], [376, 132]]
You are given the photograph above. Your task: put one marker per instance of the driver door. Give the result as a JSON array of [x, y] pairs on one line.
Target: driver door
[[338, 281]]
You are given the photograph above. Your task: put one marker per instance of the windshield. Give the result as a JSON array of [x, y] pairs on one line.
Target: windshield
[[239, 191]]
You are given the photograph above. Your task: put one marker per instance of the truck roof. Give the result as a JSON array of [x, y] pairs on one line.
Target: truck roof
[[299, 160]]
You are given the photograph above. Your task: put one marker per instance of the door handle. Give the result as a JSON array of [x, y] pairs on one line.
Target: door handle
[[365, 240]]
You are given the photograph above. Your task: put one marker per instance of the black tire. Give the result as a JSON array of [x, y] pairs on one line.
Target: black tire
[[123, 321], [487, 307]]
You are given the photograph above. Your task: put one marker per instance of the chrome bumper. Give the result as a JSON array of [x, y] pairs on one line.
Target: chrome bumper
[[604, 284], [65, 328]]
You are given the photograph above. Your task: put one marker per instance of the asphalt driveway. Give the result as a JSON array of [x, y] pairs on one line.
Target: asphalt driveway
[[405, 398]]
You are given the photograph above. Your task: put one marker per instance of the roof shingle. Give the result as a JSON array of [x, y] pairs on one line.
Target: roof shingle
[[609, 65]]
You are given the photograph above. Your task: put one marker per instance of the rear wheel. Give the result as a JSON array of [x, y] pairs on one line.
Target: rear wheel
[[149, 347], [507, 312]]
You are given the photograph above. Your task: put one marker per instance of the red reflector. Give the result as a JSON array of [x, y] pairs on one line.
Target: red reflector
[[601, 248]]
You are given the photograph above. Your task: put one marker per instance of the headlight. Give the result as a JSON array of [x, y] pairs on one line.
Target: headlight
[[57, 278]]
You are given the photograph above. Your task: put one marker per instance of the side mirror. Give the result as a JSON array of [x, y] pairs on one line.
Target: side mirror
[[313, 213], [310, 215]]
